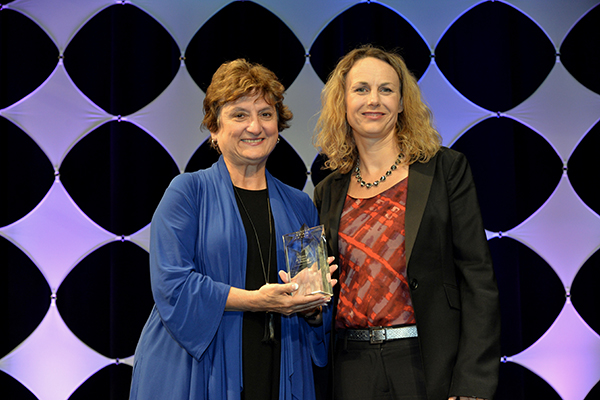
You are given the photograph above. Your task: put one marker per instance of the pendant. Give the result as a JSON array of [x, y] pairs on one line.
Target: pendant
[[269, 336]]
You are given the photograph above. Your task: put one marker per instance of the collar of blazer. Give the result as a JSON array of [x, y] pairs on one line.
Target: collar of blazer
[[420, 177]]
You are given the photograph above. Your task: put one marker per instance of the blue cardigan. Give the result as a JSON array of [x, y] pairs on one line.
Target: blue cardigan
[[190, 347]]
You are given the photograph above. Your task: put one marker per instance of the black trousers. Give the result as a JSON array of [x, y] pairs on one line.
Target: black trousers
[[391, 370]]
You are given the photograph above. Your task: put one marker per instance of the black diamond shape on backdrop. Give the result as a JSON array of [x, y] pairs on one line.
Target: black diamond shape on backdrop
[[109, 314], [483, 56], [580, 51], [583, 169], [26, 174], [515, 170], [363, 24], [584, 293], [203, 157], [24, 295], [122, 59], [518, 383], [283, 163], [317, 172], [111, 382], [117, 175], [531, 294], [244, 29], [286, 165], [28, 56], [594, 393]]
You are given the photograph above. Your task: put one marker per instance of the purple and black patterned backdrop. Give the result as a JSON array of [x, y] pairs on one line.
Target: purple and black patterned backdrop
[[100, 107]]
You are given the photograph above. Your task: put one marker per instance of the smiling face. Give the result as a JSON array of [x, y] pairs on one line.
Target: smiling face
[[373, 99], [247, 131]]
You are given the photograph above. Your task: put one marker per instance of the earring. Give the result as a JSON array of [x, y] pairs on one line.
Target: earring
[[278, 139]]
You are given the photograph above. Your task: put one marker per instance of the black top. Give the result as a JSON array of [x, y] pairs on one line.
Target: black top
[[260, 361]]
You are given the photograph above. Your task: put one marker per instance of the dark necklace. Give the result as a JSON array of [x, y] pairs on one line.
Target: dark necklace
[[269, 335], [368, 185]]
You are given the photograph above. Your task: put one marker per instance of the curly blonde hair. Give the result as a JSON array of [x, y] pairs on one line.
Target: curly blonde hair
[[417, 139], [240, 78]]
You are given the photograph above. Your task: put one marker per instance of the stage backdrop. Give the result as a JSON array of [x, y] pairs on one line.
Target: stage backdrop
[[100, 107]]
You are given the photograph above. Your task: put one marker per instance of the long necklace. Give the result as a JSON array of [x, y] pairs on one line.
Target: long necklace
[[269, 336], [368, 185]]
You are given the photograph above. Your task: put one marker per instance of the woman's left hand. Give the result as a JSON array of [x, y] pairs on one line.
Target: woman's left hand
[[332, 267], [313, 315]]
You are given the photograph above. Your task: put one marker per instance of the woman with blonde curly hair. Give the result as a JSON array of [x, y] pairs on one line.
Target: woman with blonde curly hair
[[416, 312], [415, 133]]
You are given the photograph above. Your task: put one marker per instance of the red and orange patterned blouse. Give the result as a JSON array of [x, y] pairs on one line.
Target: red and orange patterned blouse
[[373, 286]]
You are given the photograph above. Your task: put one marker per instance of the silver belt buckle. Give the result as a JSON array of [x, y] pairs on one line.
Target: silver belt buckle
[[377, 335]]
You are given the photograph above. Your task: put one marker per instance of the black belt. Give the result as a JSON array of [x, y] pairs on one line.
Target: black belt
[[380, 334]]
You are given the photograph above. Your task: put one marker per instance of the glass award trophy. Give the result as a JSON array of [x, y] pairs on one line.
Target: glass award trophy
[[306, 256]]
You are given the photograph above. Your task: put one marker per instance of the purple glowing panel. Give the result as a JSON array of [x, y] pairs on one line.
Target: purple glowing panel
[[564, 231], [174, 118], [300, 98], [566, 356], [562, 110], [54, 105], [52, 362], [141, 238], [545, 12], [56, 235]]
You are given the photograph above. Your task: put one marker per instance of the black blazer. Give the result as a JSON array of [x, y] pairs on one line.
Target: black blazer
[[449, 270]]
